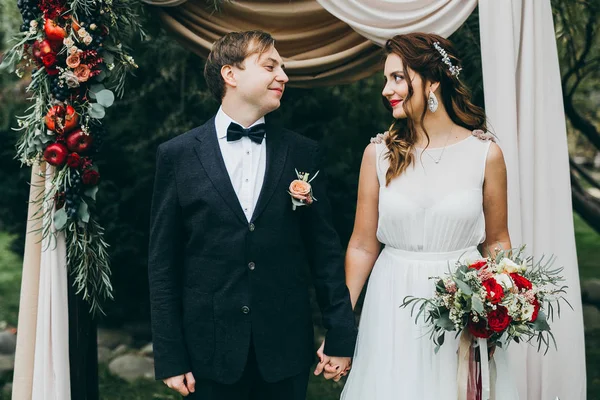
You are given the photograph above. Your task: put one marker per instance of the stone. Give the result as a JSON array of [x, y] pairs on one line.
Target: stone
[[131, 367], [104, 354], [112, 338], [590, 291], [147, 350], [120, 350], [8, 342], [591, 318]]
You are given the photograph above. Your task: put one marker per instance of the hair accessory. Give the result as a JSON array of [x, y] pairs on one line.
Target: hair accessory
[[454, 69]]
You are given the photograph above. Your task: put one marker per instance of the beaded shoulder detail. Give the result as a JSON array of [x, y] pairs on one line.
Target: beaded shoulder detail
[[481, 135], [380, 138]]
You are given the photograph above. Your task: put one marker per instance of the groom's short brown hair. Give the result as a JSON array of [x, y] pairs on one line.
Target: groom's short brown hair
[[233, 49]]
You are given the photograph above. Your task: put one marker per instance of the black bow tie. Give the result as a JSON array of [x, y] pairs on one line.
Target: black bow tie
[[255, 133]]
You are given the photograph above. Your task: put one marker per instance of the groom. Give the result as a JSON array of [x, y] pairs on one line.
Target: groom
[[229, 257]]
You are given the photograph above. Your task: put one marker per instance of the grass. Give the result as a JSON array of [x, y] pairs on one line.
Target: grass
[[588, 246], [113, 388]]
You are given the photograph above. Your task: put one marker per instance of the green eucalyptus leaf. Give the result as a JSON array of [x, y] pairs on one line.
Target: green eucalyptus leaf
[[105, 97], [97, 111], [541, 323], [477, 304], [463, 287], [97, 88], [60, 219], [83, 212], [91, 192]]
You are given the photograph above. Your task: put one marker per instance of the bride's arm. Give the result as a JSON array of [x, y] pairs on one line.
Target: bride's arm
[[495, 202], [364, 247]]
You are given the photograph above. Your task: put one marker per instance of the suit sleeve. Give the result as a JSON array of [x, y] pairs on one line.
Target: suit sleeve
[[164, 273], [326, 259]]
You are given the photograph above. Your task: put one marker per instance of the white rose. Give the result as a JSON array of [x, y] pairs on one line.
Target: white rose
[[507, 265], [504, 280], [87, 40], [523, 266], [82, 32], [71, 79], [527, 311], [68, 42]]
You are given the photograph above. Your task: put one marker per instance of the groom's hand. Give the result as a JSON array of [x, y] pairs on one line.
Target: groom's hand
[[184, 384]]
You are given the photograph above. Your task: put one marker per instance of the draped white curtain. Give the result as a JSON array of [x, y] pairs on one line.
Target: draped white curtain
[[523, 100], [42, 370], [379, 20]]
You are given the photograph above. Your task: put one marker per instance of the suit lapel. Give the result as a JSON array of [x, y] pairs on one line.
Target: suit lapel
[[277, 150], [208, 151]]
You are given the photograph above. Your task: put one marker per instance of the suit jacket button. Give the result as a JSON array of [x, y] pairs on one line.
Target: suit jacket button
[[246, 310], [251, 227], [251, 266]]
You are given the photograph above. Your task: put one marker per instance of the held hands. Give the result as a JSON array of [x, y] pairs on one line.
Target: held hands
[[332, 367], [184, 384]]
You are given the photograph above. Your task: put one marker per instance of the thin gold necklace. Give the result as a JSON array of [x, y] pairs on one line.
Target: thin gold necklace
[[437, 161]]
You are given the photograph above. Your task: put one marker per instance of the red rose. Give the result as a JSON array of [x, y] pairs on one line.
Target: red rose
[[536, 310], [74, 160], [52, 71], [521, 282], [49, 59], [90, 177], [478, 329], [494, 290], [86, 162], [478, 264], [498, 319]]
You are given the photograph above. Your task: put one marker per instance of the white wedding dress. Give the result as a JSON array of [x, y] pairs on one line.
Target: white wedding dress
[[429, 217]]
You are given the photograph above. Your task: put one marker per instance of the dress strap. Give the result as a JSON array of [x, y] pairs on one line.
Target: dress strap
[[485, 136], [381, 162]]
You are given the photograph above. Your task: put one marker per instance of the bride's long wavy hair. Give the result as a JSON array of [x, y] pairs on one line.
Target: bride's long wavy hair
[[417, 52]]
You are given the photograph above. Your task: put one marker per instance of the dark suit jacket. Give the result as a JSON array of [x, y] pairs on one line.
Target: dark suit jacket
[[218, 281]]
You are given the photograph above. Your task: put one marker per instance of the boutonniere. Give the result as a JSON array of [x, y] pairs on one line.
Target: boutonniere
[[301, 190]]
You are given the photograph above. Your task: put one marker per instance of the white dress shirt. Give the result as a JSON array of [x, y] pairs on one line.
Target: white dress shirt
[[245, 162]]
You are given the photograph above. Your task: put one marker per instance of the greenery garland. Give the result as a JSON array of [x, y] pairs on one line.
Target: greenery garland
[[75, 54]]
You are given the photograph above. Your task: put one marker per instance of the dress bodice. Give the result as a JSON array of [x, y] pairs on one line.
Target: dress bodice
[[434, 207]]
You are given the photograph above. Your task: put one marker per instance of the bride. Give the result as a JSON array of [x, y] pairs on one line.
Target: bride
[[432, 190]]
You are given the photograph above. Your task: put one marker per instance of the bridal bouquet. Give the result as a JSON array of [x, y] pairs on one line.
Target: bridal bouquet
[[491, 301], [500, 299]]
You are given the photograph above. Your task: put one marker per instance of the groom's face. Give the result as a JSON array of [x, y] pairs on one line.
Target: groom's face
[[262, 81]]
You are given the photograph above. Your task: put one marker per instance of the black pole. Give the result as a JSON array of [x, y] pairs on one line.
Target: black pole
[[83, 348]]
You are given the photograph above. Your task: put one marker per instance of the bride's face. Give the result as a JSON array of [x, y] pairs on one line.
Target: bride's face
[[396, 88]]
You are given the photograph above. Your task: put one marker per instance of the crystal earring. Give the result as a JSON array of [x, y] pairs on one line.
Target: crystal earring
[[432, 102]]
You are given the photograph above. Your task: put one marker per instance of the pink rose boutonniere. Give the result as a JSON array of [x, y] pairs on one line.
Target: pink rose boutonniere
[[301, 190]]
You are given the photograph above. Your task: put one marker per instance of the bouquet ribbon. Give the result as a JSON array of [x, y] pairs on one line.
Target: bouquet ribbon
[[468, 372]]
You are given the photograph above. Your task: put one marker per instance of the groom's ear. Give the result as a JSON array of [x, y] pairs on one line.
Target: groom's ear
[[228, 75]]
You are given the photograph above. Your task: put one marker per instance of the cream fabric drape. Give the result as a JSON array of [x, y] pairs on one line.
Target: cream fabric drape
[[317, 48], [523, 101], [42, 370], [28, 302], [379, 20]]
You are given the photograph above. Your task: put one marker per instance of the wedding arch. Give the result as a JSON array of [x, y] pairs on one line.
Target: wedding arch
[[83, 59]]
